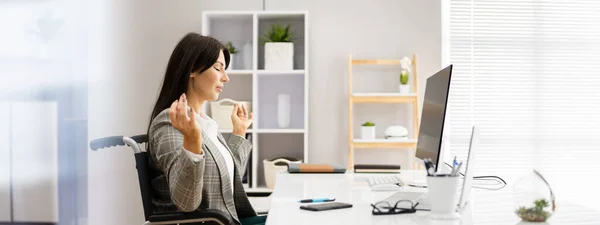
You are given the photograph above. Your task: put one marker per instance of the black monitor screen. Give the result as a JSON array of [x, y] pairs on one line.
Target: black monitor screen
[[433, 115]]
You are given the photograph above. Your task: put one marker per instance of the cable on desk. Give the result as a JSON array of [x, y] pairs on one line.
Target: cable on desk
[[496, 178], [486, 188], [496, 182], [484, 178]]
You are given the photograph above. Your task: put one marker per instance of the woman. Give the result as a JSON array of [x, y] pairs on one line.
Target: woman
[[193, 166]]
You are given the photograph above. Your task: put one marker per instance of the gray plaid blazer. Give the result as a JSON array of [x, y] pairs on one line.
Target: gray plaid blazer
[[181, 184]]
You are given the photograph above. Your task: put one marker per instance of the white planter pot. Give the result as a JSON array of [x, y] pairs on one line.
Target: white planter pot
[[367, 133], [279, 56], [232, 56], [404, 88]]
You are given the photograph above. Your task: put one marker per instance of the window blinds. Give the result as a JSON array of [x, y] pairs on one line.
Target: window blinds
[[527, 73]]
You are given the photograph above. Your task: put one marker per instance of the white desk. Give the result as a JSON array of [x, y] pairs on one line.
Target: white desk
[[486, 207]]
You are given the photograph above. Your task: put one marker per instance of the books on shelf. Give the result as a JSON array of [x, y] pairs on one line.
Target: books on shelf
[[376, 168], [315, 168]]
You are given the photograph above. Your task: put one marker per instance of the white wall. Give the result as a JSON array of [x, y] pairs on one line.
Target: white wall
[[367, 29], [130, 45]]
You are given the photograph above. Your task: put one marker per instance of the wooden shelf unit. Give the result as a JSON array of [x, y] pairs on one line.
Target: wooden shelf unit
[[385, 143], [381, 98], [376, 62], [384, 98]]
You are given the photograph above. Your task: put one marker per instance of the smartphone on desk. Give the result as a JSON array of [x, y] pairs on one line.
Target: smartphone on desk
[[326, 206]]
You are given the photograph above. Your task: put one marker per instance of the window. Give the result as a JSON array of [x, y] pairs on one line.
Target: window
[[527, 73], [43, 105]]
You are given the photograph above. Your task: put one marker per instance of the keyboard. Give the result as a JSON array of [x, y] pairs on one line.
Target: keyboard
[[382, 180]]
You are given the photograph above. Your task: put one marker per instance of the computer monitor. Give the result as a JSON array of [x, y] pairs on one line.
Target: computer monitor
[[433, 116]]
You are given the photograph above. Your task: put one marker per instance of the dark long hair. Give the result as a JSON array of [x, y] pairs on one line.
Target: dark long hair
[[193, 53]]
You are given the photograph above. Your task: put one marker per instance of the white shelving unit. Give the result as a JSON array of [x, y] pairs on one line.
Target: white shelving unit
[[261, 87]]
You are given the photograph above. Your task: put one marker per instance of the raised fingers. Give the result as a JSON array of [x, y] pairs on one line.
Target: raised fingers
[[245, 111], [192, 121], [239, 112], [173, 111], [182, 109], [235, 109]]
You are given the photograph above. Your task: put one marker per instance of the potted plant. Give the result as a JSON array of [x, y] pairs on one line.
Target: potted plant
[[406, 65], [232, 52], [368, 131], [279, 49], [535, 213]]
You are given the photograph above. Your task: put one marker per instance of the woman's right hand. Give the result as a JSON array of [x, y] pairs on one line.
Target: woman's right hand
[[186, 124]]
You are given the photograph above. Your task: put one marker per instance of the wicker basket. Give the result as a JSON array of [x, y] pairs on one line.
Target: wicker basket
[[274, 166], [221, 111]]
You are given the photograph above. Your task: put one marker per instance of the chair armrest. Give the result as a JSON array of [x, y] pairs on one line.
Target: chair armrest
[[188, 216]]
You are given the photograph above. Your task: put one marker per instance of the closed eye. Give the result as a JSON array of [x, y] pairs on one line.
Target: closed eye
[[217, 69]]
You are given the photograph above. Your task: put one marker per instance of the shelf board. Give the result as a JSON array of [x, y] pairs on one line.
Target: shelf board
[[231, 130], [280, 72], [383, 97], [281, 14], [227, 14], [239, 72], [385, 143], [376, 62], [280, 131], [259, 189]]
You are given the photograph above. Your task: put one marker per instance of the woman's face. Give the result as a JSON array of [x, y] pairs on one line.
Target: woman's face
[[210, 83]]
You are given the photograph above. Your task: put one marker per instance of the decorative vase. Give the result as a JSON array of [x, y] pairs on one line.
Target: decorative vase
[[279, 56], [367, 132], [283, 110], [404, 88], [533, 198], [230, 67], [396, 133], [247, 52]]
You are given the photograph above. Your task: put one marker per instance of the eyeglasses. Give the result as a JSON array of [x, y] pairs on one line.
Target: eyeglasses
[[384, 208]]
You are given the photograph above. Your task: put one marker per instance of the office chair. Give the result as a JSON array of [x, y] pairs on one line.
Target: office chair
[[207, 216]]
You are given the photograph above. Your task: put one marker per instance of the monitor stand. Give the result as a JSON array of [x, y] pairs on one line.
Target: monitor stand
[[419, 175]]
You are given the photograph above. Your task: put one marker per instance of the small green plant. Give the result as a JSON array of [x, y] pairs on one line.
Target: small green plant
[[277, 33], [231, 48], [535, 213], [406, 65], [368, 124], [404, 77]]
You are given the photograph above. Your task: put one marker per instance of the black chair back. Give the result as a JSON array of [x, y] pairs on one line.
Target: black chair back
[[141, 163]]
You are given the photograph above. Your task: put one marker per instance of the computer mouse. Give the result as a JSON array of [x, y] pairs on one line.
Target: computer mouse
[[386, 187]]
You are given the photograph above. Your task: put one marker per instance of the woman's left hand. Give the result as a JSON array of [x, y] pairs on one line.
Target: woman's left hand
[[240, 119]]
